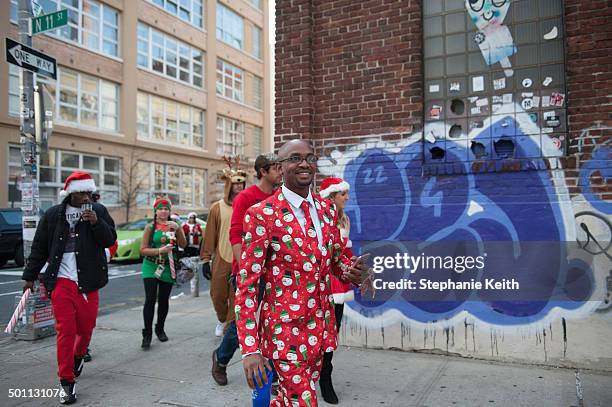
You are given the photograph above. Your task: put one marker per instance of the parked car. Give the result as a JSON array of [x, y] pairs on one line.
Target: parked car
[[129, 237], [11, 240]]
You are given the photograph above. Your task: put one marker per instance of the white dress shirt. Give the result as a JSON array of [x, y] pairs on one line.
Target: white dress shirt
[[295, 202]]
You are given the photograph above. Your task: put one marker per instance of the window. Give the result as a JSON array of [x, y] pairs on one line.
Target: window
[[256, 3], [14, 176], [90, 23], [257, 92], [257, 140], [190, 11], [185, 186], [256, 41], [503, 83], [106, 172], [79, 99], [166, 121], [168, 56], [230, 136], [230, 82], [230, 27], [13, 11], [13, 91]]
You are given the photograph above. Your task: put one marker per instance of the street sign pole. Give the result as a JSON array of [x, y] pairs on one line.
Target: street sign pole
[[29, 154]]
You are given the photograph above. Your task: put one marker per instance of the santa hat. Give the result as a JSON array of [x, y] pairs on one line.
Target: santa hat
[[162, 201], [195, 215], [78, 181], [331, 185]]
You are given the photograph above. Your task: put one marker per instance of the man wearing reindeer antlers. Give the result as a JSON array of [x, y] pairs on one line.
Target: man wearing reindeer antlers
[[216, 245]]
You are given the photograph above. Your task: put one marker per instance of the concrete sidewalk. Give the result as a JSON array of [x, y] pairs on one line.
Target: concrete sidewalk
[[177, 373]]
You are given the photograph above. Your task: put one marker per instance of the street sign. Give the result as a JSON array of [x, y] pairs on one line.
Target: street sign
[[48, 22], [30, 59]]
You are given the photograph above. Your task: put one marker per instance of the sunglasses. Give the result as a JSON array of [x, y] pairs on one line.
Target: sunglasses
[[297, 159]]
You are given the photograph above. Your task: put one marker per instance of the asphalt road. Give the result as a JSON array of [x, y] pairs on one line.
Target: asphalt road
[[124, 289]]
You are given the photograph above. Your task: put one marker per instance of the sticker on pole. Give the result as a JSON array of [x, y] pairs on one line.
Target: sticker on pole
[[30, 59]]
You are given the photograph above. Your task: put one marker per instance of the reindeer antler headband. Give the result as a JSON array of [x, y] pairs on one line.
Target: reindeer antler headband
[[235, 174]]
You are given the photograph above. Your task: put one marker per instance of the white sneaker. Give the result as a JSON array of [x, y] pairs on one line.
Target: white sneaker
[[219, 329]]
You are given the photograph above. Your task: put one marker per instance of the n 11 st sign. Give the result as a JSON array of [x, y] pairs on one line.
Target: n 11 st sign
[[48, 22], [30, 59]]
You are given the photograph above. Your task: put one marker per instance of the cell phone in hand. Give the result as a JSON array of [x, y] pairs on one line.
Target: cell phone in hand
[[363, 258], [86, 206]]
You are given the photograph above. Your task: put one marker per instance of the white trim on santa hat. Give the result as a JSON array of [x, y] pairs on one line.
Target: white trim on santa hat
[[343, 186], [79, 185]]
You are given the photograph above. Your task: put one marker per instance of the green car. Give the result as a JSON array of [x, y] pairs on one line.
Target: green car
[[129, 237]]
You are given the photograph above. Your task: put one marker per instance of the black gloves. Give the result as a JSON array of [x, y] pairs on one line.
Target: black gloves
[[206, 272]]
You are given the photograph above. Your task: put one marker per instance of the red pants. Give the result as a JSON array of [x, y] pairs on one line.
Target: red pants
[[75, 319], [297, 383]]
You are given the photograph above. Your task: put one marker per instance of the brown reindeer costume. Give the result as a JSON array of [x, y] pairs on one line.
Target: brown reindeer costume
[[216, 244]]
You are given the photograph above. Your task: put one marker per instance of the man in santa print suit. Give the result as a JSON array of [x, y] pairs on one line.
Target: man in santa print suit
[[292, 245]]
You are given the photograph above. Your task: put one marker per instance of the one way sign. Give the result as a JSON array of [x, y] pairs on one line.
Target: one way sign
[[30, 59]]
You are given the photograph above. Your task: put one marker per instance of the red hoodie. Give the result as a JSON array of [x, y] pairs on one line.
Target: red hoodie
[[242, 202]]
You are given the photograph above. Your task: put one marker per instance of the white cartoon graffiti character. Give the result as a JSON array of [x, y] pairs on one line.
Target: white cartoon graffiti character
[[493, 38]]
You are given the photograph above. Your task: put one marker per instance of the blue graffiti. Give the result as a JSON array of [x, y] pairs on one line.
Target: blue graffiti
[[601, 161], [393, 203]]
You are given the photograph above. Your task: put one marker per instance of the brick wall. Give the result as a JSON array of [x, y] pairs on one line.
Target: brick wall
[[589, 74], [350, 77], [293, 64], [347, 71]]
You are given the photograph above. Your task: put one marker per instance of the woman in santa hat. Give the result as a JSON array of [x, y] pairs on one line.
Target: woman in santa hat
[[337, 190], [159, 250], [193, 233]]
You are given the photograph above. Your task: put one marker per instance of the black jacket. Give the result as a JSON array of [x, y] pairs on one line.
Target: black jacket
[[50, 241]]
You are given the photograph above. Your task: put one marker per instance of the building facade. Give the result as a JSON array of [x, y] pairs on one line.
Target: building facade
[[150, 95], [472, 122]]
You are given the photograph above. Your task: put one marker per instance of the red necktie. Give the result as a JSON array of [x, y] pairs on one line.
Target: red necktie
[[308, 224]]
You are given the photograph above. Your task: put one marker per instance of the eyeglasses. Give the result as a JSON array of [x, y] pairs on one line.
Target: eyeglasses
[[297, 159]]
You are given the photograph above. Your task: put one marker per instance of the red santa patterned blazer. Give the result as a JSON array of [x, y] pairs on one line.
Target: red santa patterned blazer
[[297, 320]]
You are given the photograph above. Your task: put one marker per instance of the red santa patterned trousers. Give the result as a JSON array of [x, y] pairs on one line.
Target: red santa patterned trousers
[[297, 383]]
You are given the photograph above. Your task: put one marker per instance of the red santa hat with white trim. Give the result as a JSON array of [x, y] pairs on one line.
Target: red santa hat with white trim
[[78, 181], [331, 185]]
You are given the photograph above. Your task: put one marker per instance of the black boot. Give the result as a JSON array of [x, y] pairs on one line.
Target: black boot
[[79, 361], [327, 388], [161, 335], [67, 393], [147, 336]]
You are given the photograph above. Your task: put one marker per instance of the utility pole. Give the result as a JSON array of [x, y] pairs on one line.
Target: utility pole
[[29, 154]]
